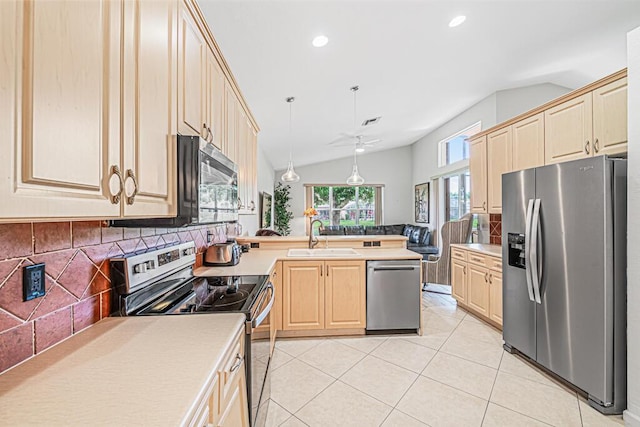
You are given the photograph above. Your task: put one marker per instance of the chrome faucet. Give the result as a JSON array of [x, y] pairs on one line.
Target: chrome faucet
[[312, 239]]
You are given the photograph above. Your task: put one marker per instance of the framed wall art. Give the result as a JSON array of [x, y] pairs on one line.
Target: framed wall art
[[422, 202]]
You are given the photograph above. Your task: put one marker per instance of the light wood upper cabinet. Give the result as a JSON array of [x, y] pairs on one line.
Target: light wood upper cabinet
[[215, 102], [498, 162], [459, 280], [303, 296], [495, 296], [610, 118], [527, 138], [568, 130], [192, 51], [230, 140], [59, 109], [345, 295], [478, 289], [478, 174], [149, 106]]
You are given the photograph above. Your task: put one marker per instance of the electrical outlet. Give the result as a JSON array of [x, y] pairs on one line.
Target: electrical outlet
[[33, 282]]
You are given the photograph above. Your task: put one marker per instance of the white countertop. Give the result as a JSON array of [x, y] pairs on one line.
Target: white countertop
[[483, 248], [147, 370], [330, 238], [262, 261]]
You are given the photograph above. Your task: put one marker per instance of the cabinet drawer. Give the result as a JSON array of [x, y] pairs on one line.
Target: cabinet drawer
[[232, 365], [478, 259], [494, 263], [458, 254]]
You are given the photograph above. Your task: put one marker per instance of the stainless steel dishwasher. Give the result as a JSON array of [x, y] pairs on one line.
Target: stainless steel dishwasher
[[393, 295]]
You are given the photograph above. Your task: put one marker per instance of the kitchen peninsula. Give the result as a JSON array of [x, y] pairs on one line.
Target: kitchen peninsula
[[317, 294]]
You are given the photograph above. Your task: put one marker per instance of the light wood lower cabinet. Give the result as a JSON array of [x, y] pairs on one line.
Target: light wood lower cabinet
[[476, 283], [495, 296], [225, 401], [323, 295], [459, 280]]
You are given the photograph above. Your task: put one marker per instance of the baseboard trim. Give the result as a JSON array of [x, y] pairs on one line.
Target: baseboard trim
[[631, 419]]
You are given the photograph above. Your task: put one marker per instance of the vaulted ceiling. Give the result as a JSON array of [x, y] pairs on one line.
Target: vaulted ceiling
[[412, 69]]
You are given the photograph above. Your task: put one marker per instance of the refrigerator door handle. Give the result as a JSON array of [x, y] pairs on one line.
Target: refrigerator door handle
[[533, 250], [527, 243]]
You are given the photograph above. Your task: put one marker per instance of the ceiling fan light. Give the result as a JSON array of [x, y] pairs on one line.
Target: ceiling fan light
[[360, 148], [290, 175], [355, 178]]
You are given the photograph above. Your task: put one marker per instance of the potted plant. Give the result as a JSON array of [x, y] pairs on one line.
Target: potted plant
[[281, 214]]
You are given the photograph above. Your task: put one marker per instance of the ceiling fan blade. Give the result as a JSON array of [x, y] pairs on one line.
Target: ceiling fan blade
[[371, 141]]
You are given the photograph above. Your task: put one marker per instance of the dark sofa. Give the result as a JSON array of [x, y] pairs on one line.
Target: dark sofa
[[419, 237]]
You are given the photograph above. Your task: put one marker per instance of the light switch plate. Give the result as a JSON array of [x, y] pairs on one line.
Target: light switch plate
[[33, 282]]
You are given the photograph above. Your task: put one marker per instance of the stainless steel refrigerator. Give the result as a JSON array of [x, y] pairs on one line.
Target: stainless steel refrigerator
[[564, 273]]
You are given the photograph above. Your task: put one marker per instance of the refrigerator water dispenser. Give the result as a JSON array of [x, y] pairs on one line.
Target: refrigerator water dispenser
[[516, 250]]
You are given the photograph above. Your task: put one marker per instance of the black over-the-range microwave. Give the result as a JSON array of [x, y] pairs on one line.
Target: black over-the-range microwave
[[207, 187]]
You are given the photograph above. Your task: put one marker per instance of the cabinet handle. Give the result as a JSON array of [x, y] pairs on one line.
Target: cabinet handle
[[596, 145], [327, 271], [586, 147], [253, 206], [115, 170], [240, 203], [237, 364], [490, 276], [484, 206], [210, 134], [205, 128], [321, 271], [486, 277], [464, 270], [132, 197]]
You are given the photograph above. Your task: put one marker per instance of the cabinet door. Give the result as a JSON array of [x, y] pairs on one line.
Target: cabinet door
[[495, 297], [610, 118], [192, 51], [236, 411], [498, 162], [229, 146], [59, 108], [478, 289], [241, 153], [251, 167], [345, 303], [459, 281], [303, 297], [478, 174], [567, 130], [215, 106], [150, 107], [527, 141]]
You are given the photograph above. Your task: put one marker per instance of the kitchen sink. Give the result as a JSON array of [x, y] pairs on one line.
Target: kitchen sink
[[335, 252]]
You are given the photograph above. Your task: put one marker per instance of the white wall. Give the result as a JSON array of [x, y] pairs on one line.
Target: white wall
[[251, 223], [510, 103], [632, 415], [390, 167]]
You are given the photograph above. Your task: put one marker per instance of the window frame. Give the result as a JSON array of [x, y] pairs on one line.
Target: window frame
[[378, 200], [442, 145]]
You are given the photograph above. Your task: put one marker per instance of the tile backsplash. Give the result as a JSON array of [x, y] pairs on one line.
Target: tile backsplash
[[78, 286], [495, 229]]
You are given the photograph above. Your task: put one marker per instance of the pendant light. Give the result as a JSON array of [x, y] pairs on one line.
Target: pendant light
[[290, 175], [355, 178]]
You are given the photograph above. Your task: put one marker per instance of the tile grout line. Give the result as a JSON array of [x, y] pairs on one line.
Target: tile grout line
[[492, 387]]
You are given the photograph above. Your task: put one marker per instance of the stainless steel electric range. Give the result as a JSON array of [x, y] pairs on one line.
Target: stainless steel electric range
[[161, 282]]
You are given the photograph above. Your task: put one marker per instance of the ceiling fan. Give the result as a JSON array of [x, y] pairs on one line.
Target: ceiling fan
[[349, 138]]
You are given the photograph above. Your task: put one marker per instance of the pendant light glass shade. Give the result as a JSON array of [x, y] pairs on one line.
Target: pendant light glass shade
[[290, 175], [355, 178]]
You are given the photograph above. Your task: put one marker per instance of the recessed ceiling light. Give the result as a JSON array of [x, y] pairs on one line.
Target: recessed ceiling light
[[320, 41], [457, 21]]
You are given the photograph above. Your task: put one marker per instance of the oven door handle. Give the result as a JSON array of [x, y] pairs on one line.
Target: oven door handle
[[260, 317]]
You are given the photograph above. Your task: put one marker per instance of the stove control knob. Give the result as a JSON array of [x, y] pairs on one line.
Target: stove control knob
[[150, 265], [140, 268], [189, 251]]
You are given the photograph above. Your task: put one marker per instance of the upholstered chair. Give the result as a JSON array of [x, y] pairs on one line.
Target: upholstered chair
[[437, 269]]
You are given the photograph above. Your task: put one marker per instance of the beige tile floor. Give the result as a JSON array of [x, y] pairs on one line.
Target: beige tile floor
[[456, 374]]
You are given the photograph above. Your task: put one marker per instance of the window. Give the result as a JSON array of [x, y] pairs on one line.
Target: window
[[457, 198], [456, 148], [346, 205]]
